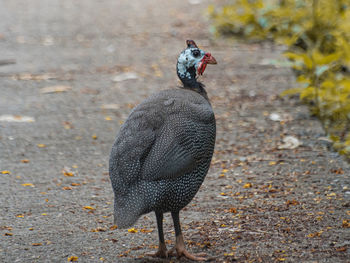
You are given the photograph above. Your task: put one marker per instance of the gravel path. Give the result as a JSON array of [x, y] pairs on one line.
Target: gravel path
[[259, 203]]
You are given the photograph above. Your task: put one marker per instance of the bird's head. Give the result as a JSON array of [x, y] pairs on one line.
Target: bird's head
[[192, 61]]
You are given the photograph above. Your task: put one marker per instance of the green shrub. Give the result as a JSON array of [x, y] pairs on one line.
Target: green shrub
[[317, 33]]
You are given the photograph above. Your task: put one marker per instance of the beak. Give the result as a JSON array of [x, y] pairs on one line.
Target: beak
[[207, 59]]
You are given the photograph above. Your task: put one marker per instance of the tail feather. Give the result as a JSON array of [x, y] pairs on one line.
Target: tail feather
[[124, 218], [127, 210]]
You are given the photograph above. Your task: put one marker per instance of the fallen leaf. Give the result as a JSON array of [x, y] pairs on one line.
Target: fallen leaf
[[233, 210], [247, 185], [113, 227], [41, 145], [67, 125], [292, 202], [108, 118], [143, 230], [5, 172], [28, 184], [94, 136], [341, 249], [16, 118], [67, 188], [25, 161], [346, 224], [8, 234], [338, 171], [55, 89], [72, 259], [316, 234], [99, 229], [67, 173], [37, 244], [88, 208], [75, 184], [132, 230]]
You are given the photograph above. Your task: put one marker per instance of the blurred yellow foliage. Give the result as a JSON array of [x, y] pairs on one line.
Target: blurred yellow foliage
[[317, 33]]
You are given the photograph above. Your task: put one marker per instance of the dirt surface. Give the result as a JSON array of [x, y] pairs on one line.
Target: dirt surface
[[258, 203]]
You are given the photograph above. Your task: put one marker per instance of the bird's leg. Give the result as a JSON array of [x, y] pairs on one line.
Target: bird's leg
[[162, 251], [180, 244]]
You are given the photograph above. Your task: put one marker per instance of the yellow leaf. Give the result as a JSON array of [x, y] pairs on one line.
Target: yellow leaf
[[132, 230], [88, 208], [20, 215], [94, 136], [28, 184], [143, 230], [108, 118], [233, 210], [113, 227], [272, 163], [247, 185], [41, 145], [67, 173], [44, 214], [72, 259], [5, 172], [346, 224]]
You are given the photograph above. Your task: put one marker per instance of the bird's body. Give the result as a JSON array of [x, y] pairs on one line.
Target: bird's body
[[169, 141], [162, 154]]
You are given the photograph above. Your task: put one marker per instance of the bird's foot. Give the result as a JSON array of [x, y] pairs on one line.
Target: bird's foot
[[160, 253], [195, 257], [181, 251]]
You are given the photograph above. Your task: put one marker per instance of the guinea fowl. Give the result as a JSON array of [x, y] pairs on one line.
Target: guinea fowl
[[163, 151]]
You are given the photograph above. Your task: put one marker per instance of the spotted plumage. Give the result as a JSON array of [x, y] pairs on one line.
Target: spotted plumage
[[163, 150]]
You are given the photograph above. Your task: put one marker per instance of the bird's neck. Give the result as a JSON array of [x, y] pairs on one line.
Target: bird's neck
[[189, 81]]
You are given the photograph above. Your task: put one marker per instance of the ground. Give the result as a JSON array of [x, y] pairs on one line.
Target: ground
[[259, 203]]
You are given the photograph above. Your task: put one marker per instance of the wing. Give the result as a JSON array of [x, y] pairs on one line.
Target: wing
[[171, 155], [158, 139]]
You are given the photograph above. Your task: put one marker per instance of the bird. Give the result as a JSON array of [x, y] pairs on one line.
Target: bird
[[163, 151]]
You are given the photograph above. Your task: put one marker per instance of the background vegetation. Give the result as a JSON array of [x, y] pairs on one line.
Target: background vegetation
[[317, 33]]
